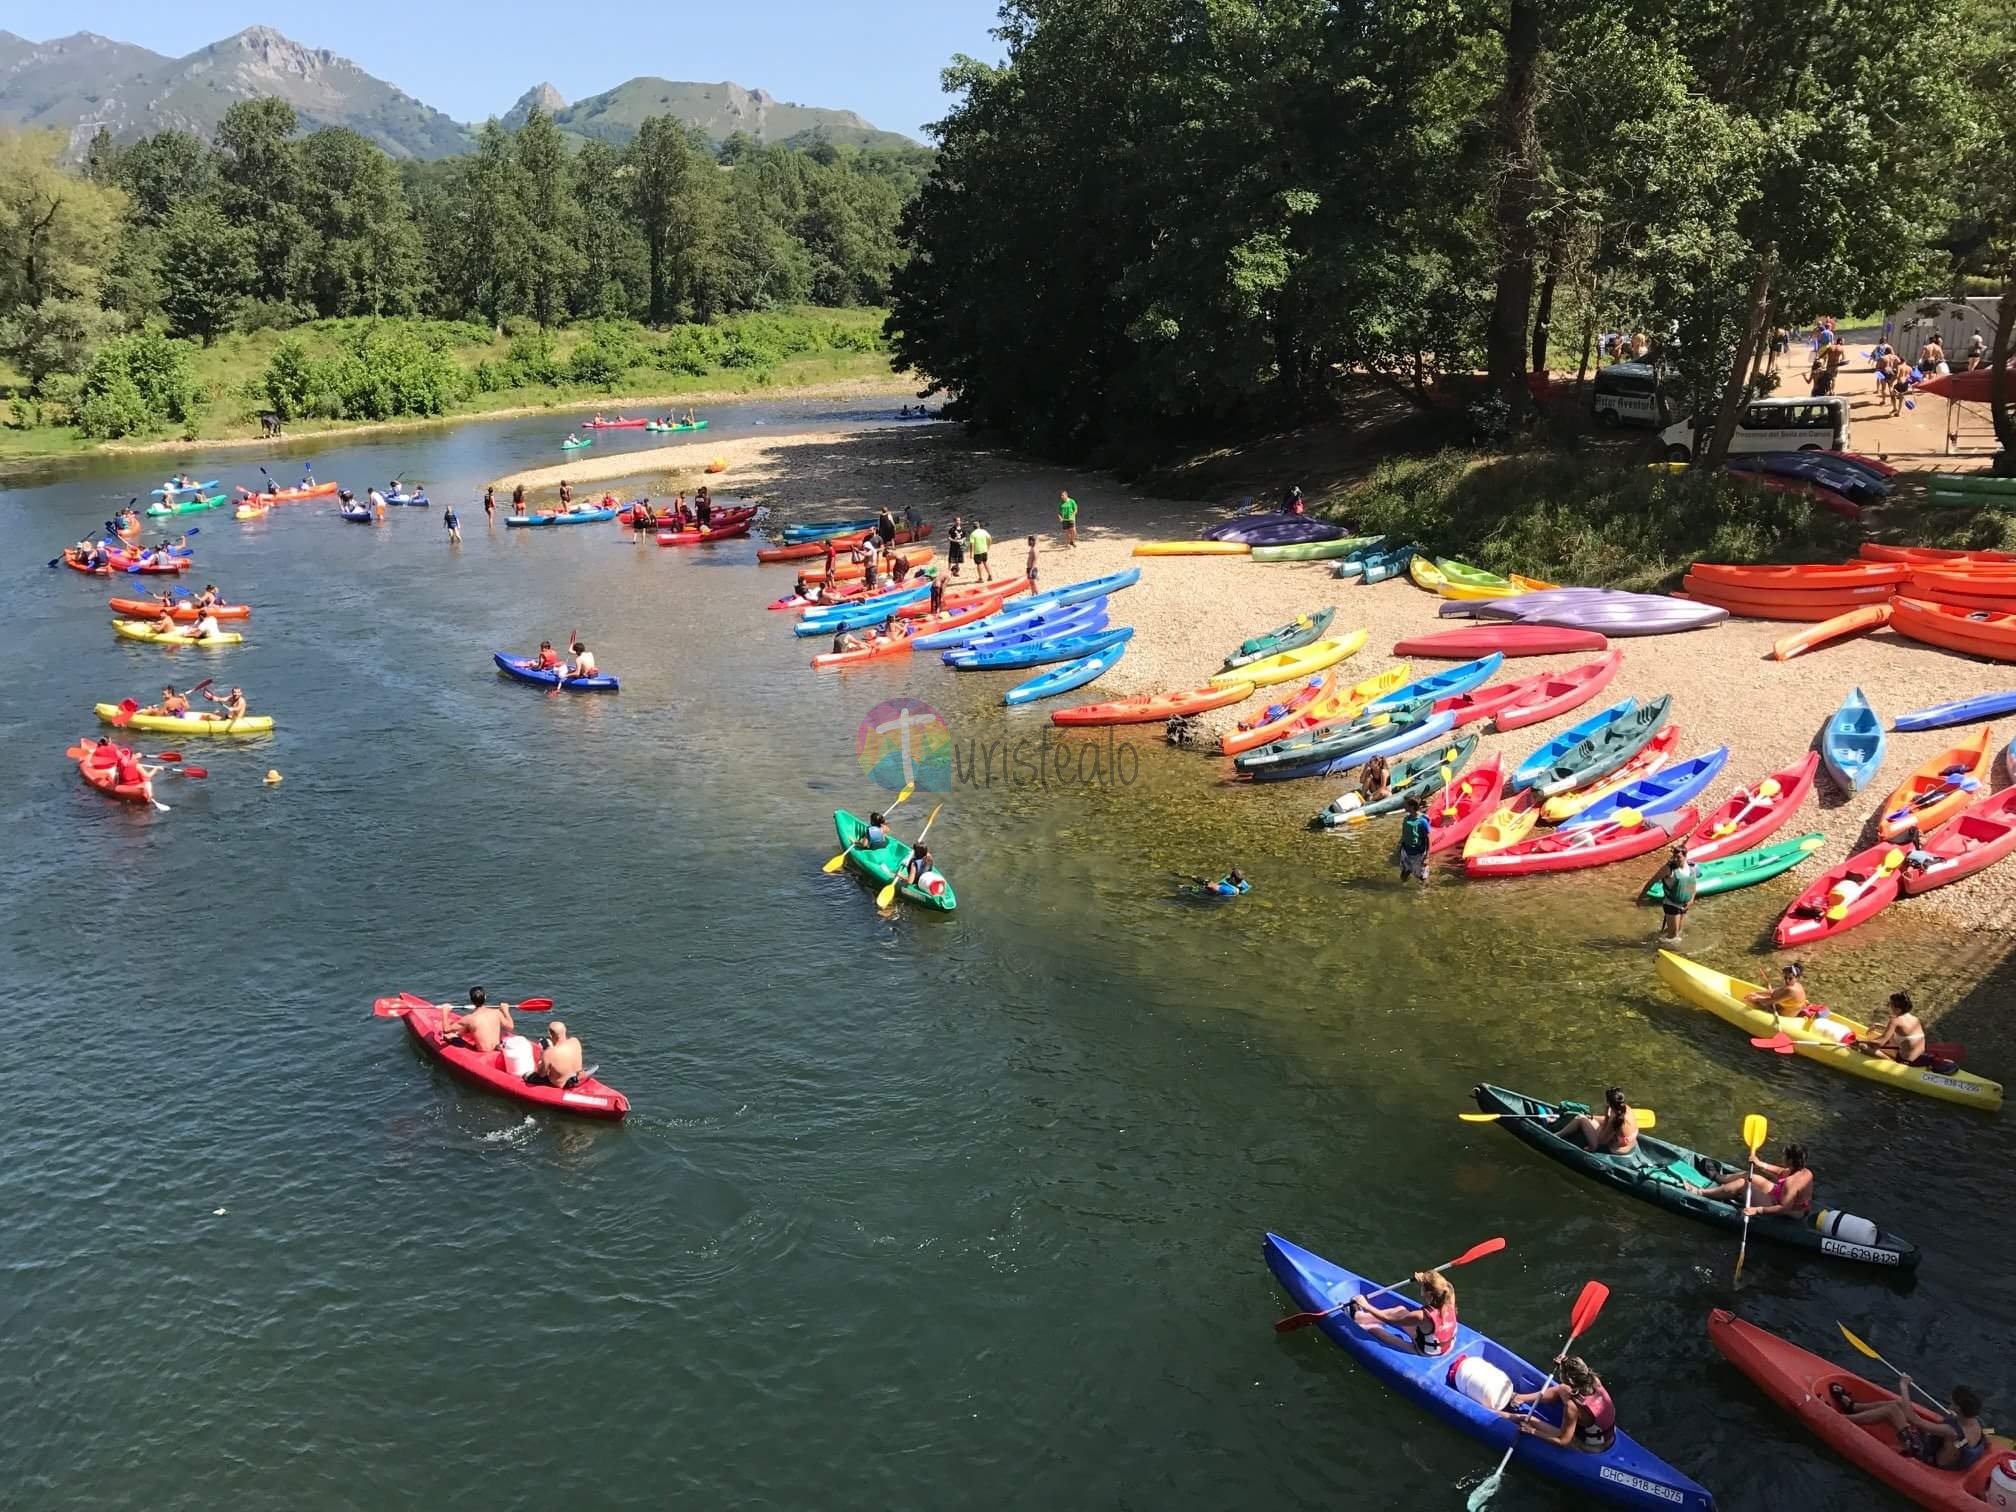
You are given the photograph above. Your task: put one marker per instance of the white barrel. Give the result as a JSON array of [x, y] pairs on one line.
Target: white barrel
[[932, 882], [2000, 1492], [1831, 1028], [1844, 892], [518, 1059], [1482, 1382], [1845, 1226]]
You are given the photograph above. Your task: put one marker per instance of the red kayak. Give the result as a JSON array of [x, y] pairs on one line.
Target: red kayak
[[1558, 692], [1467, 708], [1461, 806], [106, 778], [665, 518], [714, 533], [1481, 639], [591, 1098], [614, 424], [1803, 1384], [1848, 893], [151, 609], [1150, 708], [842, 544], [1590, 845], [1750, 814], [124, 562], [1978, 838]]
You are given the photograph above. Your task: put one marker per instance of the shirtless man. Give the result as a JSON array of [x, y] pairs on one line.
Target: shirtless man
[[482, 1027], [233, 702], [559, 1059], [1615, 1133], [1899, 1036]]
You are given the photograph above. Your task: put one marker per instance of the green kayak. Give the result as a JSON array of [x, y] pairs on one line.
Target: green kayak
[[1300, 631], [187, 506], [1672, 1176], [680, 428], [1463, 574], [1609, 748], [1744, 868], [1315, 551], [1421, 776], [577, 445], [884, 864]]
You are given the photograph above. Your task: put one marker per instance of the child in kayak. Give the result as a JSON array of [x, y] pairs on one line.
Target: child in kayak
[[1588, 1416], [1426, 1330], [1788, 1000], [559, 1059], [1415, 834], [1788, 1190], [549, 659], [1615, 1133], [1956, 1442]]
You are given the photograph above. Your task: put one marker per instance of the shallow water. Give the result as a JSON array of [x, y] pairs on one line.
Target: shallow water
[[913, 1211]]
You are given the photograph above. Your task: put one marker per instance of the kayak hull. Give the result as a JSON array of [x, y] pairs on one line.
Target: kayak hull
[[1978, 838], [1747, 868], [1508, 639], [106, 780], [1740, 823], [1852, 744], [1534, 767], [1153, 708], [1931, 794], [882, 866], [590, 1098], [1576, 850], [1287, 666], [1062, 679], [136, 630], [143, 609], [1298, 632], [194, 724], [522, 670], [1420, 776]]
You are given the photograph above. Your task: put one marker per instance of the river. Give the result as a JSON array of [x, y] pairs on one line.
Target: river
[[913, 1211]]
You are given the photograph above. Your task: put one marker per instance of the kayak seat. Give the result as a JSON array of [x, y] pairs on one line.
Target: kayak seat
[[1688, 1174]]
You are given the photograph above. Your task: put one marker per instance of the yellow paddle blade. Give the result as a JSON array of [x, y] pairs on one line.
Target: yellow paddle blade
[[836, 863], [1769, 788], [1627, 819], [1858, 1345], [886, 897], [1647, 1119], [1755, 1128]]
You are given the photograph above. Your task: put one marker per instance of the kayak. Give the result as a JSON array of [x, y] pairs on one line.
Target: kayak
[[577, 445], [1575, 849], [932, 889], [1803, 1383], [855, 616], [1426, 575], [185, 488], [1875, 551], [1933, 793], [288, 495], [805, 551], [675, 430], [1039, 653], [1802, 575], [570, 517], [1509, 639], [1613, 611], [1287, 666], [1745, 868], [1723, 996], [106, 779], [1978, 838], [915, 556], [1486, 702], [818, 530], [251, 512], [141, 631], [1021, 630], [1298, 632], [1974, 631], [1653, 758], [521, 668], [1279, 720], [188, 506], [356, 515], [1192, 548], [1381, 565], [900, 645], [1673, 1177], [187, 724], [1749, 814], [1605, 751], [590, 1097], [1402, 740], [637, 424], [1463, 805], [1852, 743], [124, 563], [1794, 606], [1848, 893], [1664, 790], [1529, 771], [1421, 776], [1152, 708], [1062, 679], [1444, 684], [1369, 728], [1555, 693], [143, 608], [1625, 1475], [1463, 575], [729, 532], [1853, 622], [1316, 551], [1510, 823], [411, 500]]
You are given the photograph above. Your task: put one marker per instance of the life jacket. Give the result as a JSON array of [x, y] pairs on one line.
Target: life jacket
[[1597, 1427]]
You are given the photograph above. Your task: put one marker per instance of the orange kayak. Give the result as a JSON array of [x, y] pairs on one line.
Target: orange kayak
[[1867, 617], [842, 544], [106, 778], [1989, 578], [1802, 575], [899, 645], [1977, 632], [287, 495], [1932, 794], [1872, 551], [916, 556], [151, 608], [1151, 707], [1784, 603]]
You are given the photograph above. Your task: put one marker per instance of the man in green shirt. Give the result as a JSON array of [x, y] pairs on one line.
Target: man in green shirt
[[1415, 836], [978, 542], [1067, 516]]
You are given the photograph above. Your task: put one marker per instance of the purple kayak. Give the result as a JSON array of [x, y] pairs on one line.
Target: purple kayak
[[1275, 530], [1608, 610]]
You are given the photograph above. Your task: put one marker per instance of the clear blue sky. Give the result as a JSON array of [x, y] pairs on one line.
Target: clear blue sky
[[473, 60]]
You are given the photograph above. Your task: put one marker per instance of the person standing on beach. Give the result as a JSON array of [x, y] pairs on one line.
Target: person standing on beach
[[1029, 571], [829, 559], [981, 542], [1677, 882], [489, 506], [955, 545], [885, 526], [1414, 838], [1067, 516], [454, 523]]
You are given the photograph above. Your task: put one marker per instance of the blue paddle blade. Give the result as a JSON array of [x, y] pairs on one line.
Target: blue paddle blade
[[1486, 1488]]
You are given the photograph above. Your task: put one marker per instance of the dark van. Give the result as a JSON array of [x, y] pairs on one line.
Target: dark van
[[1627, 393]]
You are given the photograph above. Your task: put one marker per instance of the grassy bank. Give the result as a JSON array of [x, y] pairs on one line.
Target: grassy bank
[[607, 365]]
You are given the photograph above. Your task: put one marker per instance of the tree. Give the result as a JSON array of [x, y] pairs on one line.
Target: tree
[[550, 213], [56, 229], [666, 197], [206, 268], [163, 171], [367, 252]]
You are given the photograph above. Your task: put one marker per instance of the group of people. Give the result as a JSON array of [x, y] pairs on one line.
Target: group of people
[[1898, 1034], [125, 763], [175, 705], [550, 660], [915, 871], [489, 1029]]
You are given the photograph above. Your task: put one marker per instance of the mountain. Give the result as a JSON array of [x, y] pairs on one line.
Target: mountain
[[78, 84]]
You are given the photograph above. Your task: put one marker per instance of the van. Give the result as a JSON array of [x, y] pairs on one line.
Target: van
[[1627, 393], [1773, 425]]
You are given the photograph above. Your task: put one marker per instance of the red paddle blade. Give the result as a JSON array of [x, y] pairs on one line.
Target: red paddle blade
[[168, 756], [1587, 1306], [534, 1005], [189, 771], [78, 752], [390, 1007], [1488, 1247], [413, 1000], [1951, 1050], [1300, 1320], [1780, 1042]]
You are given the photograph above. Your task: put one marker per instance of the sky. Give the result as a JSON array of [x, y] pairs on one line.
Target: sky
[[474, 60]]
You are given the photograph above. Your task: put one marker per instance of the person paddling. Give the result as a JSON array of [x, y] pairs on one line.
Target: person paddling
[[1789, 1000], [172, 704], [233, 705], [1769, 1188], [1899, 1035], [1588, 1416], [559, 1059], [1429, 1329], [479, 1026], [875, 836], [1955, 1442]]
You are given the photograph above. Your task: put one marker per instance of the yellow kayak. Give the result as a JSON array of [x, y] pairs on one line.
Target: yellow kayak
[[140, 630], [1286, 666], [1426, 574], [1193, 548], [250, 512], [1723, 996], [189, 724], [1511, 823]]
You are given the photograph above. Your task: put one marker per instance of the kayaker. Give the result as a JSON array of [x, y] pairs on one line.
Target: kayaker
[[1029, 567], [1415, 834], [105, 754], [1615, 1133], [1677, 881], [1588, 1416], [1788, 1189], [209, 598], [846, 641], [1067, 516], [172, 704], [272, 487], [479, 1026], [233, 703], [915, 868], [206, 627], [875, 836], [584, 662], [454, 523], [1429, 1329], [1898, 1035], [1789, 999], [1956, 1442], [559, 1059], [549, 659], [690, 420], [164, 624], [489, 504], [955, 545]]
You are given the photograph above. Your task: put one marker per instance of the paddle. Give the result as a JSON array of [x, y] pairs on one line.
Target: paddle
[[1949, 786], [1891, 861], [888, 894], [1587, 1306], [406, 1002], [1766, 790], [1646, 1118], [1304, 1319], [841, 860], [1755, 1128], [1782, 1043]]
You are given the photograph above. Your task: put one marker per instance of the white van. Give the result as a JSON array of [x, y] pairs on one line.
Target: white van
[[1773, 425], [1627, 393]]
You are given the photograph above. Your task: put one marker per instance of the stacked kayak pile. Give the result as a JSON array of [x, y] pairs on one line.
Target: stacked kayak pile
[[1972, 490], [809, 548], [1607, 611], [726, 525], [1241, 537], [1374, 562], [1839, 481]]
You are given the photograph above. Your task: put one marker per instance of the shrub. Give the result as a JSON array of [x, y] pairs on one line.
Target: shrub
[[134, 384], [530, 361], [609, 352]]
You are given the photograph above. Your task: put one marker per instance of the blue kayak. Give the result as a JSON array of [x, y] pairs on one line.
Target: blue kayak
[[798, 535], [1385, 564], [1960, 711], [1404, 739], [1536, 766], [1007, 624], [1076, 620], [1090, 588], [417, 500], [1852, 744], [1042, 652], [1661, 793], [1063, 679], [521, 668], [577, 517], [825, 620], [187, 488], [1458, 679], [358, 516], [1624, 1475]]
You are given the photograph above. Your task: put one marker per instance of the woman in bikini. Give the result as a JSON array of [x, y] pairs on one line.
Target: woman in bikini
[[1786, 1188]]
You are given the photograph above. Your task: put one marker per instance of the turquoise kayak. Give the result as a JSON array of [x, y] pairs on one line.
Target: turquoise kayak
[[1852, 744], [580, 517], [1744, 868], [883, 866], [1535, 766]]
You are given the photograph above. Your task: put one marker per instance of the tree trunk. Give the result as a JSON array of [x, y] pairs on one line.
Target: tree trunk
[[2001, 386], [1543, 314], [1518, 152], [1739, 368]]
